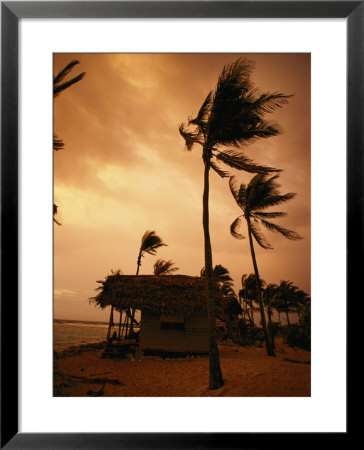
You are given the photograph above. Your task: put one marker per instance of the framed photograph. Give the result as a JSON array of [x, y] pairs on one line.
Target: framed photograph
[[130, 71]]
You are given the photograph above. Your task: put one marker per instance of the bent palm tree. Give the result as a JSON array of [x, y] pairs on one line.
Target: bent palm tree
[[231, 115], [60, 85], [261, 193], [163, 267], [149, 244]]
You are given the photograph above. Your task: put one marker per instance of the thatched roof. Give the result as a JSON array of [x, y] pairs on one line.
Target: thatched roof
[[164, 294]]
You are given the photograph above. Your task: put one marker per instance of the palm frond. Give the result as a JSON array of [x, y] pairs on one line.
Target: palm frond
[[201, 120], [58, 144], [190, 138], [163, 267], [292, 235], [65, 71], [55, 210], [258, 188], [234, 227], [269, 215], [237, 109], [58, 88], [239, 161], [273, 200], [234, 189], [150, 243], [259, 237], [218, 170], [265, 103], [219, 273], [222, 273]]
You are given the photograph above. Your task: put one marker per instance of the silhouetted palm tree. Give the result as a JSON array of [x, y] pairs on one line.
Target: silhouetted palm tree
[[163, 267], [101, 299], [291, 299], [60, 85], [260, 194], [149, 244], [249, 294], [220, 274], [230, 116]]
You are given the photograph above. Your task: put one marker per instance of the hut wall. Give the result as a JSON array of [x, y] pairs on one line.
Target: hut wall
[[193, 338]]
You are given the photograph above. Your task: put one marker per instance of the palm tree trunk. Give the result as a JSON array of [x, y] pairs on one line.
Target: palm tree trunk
[[270, 327], [110, 325], [279, 318], [270, 351], [299, 314], [133, 309], [121, 313], [287, 315], [252, 322], [215, 375]]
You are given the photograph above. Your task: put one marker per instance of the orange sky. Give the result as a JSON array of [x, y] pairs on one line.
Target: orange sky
[[124, 170]]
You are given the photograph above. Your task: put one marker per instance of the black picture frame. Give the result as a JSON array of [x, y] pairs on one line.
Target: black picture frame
[[11, 12]]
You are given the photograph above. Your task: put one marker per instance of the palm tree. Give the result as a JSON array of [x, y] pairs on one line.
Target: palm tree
[[60, 85], [249, 294], [285, 298], [163, 267], [261, 193], [106, 289], [230, 116], [149, 244], [220, 274], [300, 299]]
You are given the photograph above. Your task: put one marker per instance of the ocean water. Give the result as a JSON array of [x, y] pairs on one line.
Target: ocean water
[[69, 333]]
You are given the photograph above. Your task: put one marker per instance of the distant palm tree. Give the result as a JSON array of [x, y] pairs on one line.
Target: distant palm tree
[[291, 299], [60, 85], [249, 294], [106, 289], [149, 244], [230, 116], [261, 193], [220, 274], [163, 267]]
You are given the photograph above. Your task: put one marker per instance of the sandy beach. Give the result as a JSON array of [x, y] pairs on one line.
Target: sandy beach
[[247, 371]]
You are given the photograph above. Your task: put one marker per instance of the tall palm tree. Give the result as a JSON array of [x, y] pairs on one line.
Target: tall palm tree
[[230, 116], [261, 193], [150, 243], [163, 267], [59, 85]]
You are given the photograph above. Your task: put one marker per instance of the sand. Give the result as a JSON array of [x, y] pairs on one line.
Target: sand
[[247, 372]]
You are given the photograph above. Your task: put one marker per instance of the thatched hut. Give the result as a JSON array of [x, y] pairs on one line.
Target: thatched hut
[[173, 309]]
